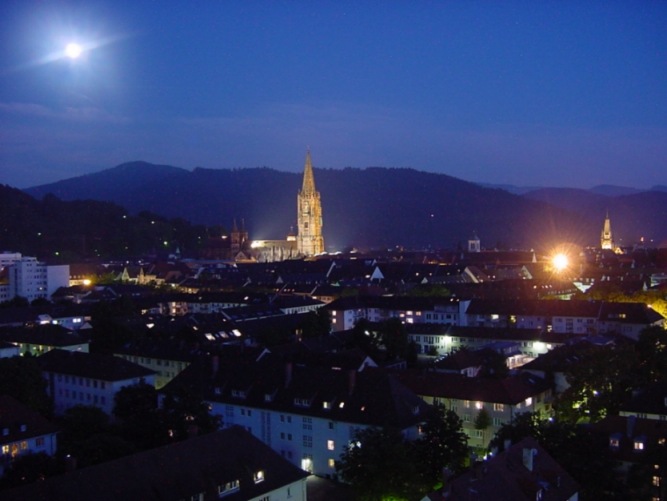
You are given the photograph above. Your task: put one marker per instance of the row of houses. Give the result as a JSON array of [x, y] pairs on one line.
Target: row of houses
[[552, 316]]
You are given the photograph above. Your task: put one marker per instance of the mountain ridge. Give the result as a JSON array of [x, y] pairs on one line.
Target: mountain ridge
[[371, 207]]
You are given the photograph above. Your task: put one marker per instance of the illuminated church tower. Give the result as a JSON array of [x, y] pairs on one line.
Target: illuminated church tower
[[309, 214], [606, 240]]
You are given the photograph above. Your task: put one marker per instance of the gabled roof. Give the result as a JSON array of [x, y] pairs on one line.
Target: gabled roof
[[91, 365], [46, 335], [543, 308], [511, 390], [629, 313], [517, 474], [176, 471], [648, 400], [369, 397], [21, 422], [626, 430]]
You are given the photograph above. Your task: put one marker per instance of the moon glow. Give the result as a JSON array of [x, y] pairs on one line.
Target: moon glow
[[73, 50]]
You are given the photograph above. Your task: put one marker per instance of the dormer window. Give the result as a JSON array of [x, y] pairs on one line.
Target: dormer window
[[228, 488], [239, 394], [258, 476], [302, 402]]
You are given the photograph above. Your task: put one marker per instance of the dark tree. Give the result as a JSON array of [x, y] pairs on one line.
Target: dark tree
[[184, 413], [30, 468], [139, 419], [394, 338], [316, 323], [110, 332], [379, 464], [365, 337], [652, 353], [21, 378], [88, 437], [443, 444], [136, 400], [79, 423], [482, 421], [599, 382]]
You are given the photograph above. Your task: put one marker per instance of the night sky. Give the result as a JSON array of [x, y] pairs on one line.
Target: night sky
[[553, 93]]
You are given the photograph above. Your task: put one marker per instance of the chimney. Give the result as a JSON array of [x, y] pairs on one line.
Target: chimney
[[192, 430], [70, 463], [351, 381], [215, 364], [288, 374], [630, 426], [528, 455]]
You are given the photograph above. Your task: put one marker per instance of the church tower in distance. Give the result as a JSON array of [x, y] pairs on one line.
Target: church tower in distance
[[606, 240], [309, 214]]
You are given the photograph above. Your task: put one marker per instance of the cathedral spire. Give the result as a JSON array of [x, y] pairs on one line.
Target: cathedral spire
[[308, 178], [309, 214], [606, 239]]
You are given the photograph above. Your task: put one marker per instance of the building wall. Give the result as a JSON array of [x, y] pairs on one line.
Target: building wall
[[10, 450], [311, 443], [39, 349], [165, 370], [28, 279], [444, 344], [499, 413], [296, 491], [56, 277], [68, 391], [32, 279]]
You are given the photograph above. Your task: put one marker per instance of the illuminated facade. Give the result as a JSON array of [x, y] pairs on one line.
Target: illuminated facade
[[309, 214], [606, 239]]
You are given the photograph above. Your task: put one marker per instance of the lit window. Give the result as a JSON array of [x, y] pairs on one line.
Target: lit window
[[656, 480], [258, 476], [331, 445], [478, 405], [639, 446], [529, 401], [332, 463], [499, 407]]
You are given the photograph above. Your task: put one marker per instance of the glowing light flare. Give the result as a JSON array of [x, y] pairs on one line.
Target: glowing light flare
[[560, 262]]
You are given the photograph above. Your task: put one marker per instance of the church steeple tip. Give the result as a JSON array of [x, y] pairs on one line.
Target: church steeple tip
[[308, 178]]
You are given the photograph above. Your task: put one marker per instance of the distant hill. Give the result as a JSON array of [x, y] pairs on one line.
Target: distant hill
[[372, 207], [614, 191], [66, 231], [635, 215]]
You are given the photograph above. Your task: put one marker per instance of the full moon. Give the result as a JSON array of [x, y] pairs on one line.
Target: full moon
[[73, 50]]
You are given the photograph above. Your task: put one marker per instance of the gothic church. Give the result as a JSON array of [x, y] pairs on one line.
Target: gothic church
[[309, 240]]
